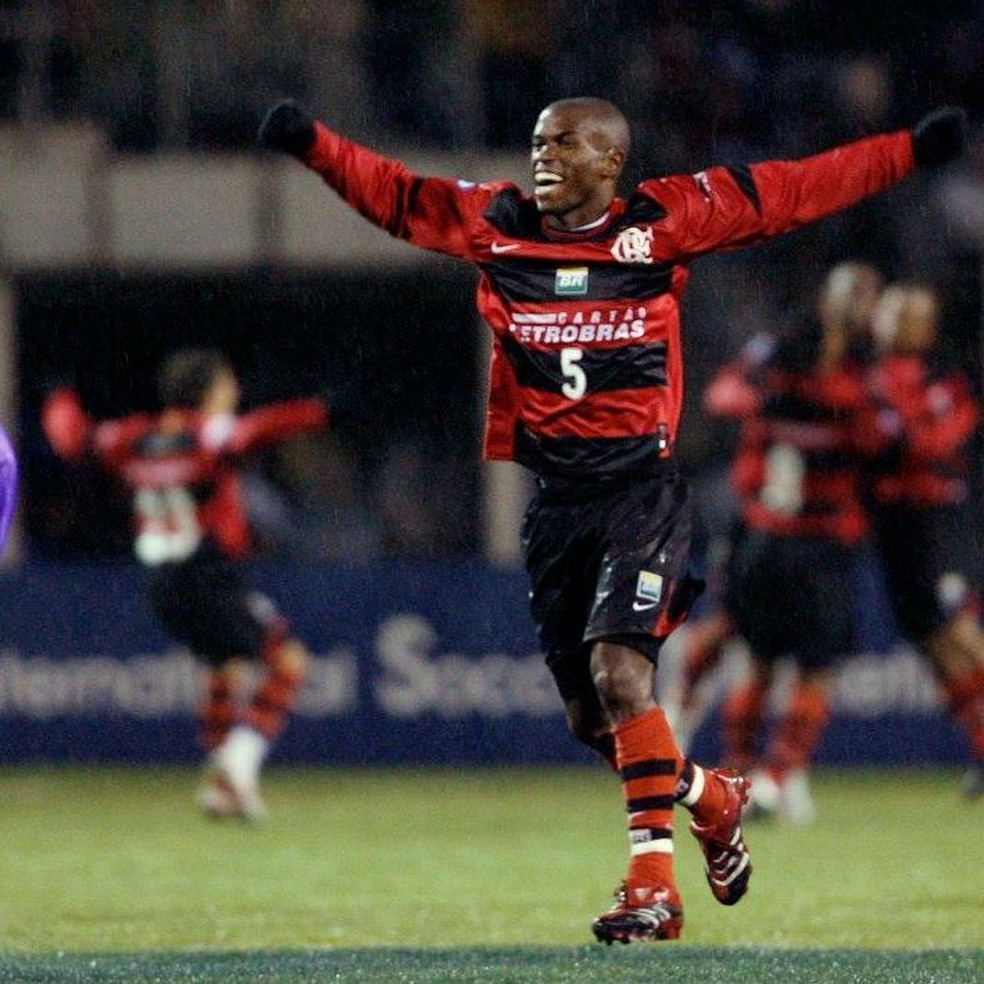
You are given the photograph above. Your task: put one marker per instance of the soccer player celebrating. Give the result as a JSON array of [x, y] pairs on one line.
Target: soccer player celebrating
[[922, 505], [807, 424], [190, 528], [581, 290]]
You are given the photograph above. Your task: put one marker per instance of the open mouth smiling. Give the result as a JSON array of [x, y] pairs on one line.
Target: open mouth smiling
[[545, 181]]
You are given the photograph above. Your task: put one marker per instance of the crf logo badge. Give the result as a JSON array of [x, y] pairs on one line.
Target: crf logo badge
[[634, 245]]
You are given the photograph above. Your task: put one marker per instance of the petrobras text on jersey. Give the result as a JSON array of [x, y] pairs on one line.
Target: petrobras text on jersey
[[579, 327]]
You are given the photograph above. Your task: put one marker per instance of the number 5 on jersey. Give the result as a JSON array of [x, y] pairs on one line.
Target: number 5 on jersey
[[575, 383]]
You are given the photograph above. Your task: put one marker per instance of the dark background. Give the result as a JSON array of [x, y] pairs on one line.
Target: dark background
[[398, 353]]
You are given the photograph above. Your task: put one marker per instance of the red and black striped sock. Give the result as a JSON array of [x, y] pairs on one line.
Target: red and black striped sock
[[963, 695], [799, 729], [275, 695], [742, 717], [217, 712], [648, 763]]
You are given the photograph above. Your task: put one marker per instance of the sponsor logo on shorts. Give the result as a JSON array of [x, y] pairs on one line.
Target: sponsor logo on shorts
[[649, 591]]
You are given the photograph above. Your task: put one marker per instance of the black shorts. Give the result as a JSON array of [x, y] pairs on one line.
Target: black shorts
[[205, 603], [928, 557], [615, 565], [794, 596]]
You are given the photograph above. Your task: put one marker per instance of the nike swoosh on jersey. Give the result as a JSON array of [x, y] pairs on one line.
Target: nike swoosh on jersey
[[643, 606], [505, 247]]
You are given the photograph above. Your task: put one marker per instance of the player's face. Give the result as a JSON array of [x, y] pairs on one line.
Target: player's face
[[223, 394], [916, 328], [574, 167]]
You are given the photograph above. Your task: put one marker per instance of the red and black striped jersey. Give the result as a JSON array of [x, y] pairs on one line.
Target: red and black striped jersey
[[804, 434], [938, 416], [586, 372], [181, 467]]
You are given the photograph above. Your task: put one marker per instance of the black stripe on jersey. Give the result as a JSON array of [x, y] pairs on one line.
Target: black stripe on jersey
[[791, 408], [631, 367], [397, 225], [641, 209], [157, 445], [560, 457], [515, 216], [520, 280], [745, 181]]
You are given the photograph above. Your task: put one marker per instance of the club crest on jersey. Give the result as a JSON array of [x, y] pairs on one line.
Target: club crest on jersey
[[649, 591], [633, 245], [571, 281]]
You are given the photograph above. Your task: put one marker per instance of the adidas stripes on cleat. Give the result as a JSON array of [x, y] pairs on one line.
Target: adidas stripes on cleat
[[640, 914], [727, 863]]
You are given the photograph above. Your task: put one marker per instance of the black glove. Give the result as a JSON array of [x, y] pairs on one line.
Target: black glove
[[939, 137], [287, 127]]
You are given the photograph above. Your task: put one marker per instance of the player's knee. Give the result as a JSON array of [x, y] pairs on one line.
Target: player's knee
[[956, 645], [623, 679], [292, 657]]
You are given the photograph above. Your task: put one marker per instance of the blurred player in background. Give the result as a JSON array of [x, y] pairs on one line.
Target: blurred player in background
[[926, 533], [807, 421], [581, 290], [190, 530]]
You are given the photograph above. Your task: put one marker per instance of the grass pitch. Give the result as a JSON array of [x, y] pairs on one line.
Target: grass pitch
[[493, 875]]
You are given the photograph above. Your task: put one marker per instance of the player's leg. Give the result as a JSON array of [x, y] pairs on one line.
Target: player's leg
[[926, 556], [654, 777], [798, 731], [758, 586], [263, 635], [190, 597], [285, 662], [205, 602], [217, 714], [703, 645], [217, 711], [743, 716], [648, 905], [819, 630], [957, 652], [643, 593], [586, 720]]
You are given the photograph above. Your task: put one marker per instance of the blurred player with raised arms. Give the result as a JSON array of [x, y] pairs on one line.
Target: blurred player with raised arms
[[190, 529], [921, 501], [807, 424]]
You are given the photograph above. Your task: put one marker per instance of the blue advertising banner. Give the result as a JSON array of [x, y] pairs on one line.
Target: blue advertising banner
[[430, 663]]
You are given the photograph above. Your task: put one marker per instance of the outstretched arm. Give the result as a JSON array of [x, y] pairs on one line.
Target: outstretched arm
[[276, 422], [728, 208], [433, 213]]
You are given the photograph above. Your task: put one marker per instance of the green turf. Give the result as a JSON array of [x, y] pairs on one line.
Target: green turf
[[107, 874], [521, 965]]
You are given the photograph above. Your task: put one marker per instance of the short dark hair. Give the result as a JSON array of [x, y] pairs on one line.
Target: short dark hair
[[186, 375]]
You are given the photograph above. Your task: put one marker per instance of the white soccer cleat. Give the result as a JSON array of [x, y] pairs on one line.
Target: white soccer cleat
[[763, 796], [796, 804], [236, 766], [214, 796]]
